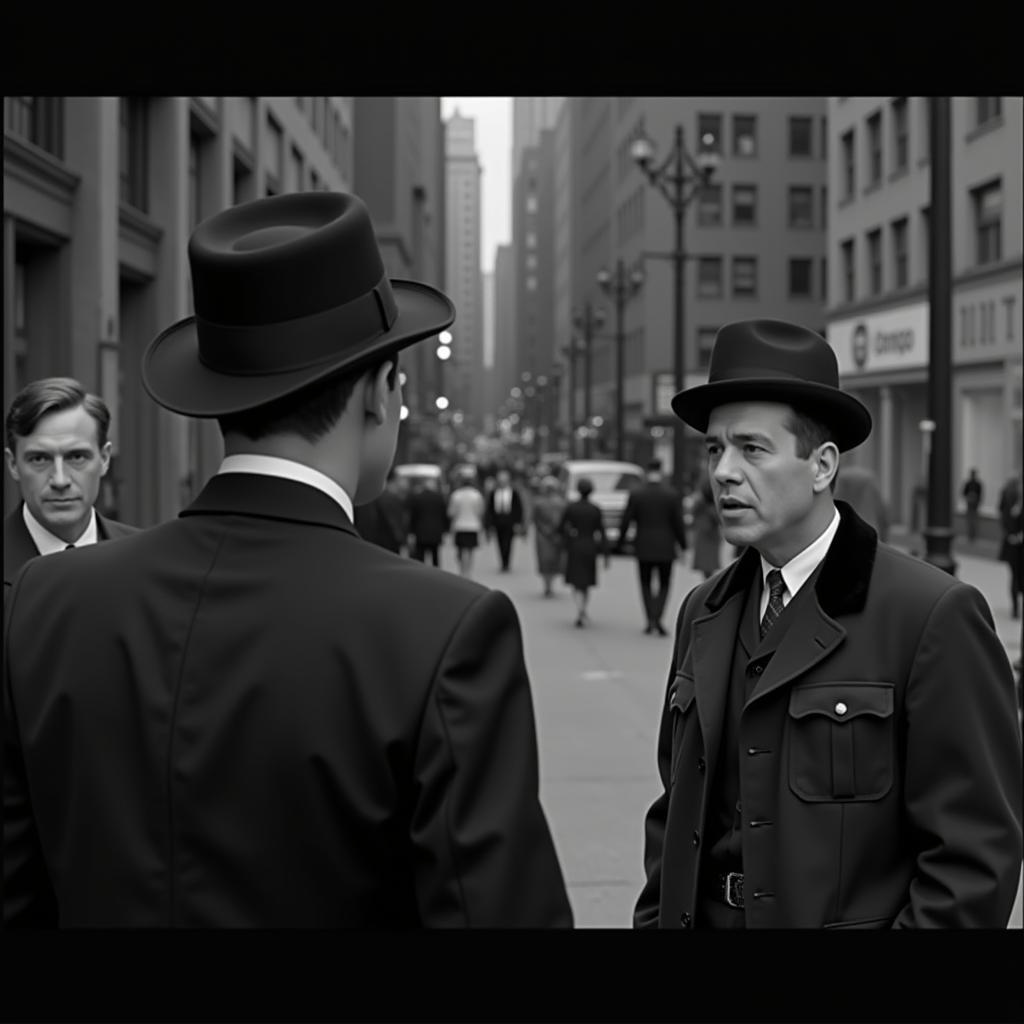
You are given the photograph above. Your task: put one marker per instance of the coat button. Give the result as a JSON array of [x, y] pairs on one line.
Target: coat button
[[696, 839], [841, 708], [701, 765], [685, 920], [758, 669]]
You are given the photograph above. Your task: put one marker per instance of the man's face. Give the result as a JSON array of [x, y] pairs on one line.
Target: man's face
[[379, 447], [763, 491], [58, 468], [503, 478]]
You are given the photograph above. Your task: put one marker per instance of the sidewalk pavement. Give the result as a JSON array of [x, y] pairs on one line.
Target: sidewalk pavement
[[597, 701]]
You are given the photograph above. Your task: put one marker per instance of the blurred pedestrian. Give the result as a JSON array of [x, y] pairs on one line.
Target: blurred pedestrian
[[504, 516], [839, 745], [383, 520], [466, 515], [656, 512], [582, 526], [858, 487], [247, 716], [57, 452], [1011, 550], [547, 515], [972, 492], [707, 532], [428, 522]]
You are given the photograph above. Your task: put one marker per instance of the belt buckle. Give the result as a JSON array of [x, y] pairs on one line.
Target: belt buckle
[[734, 889]]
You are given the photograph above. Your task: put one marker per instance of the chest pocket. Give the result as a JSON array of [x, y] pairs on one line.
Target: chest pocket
[[841, 741], [681, 710]]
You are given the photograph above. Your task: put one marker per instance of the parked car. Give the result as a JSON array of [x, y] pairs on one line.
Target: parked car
[[612, 483], [414, 473]]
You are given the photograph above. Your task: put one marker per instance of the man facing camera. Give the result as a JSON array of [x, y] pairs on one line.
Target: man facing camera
[[57, 450], [252, 717]]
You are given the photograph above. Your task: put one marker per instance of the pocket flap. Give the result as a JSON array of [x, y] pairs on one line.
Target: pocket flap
[[842, 701], [680, 695]]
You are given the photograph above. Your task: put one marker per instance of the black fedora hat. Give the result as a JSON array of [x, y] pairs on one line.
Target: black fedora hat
[[775, 361], [287, 290]]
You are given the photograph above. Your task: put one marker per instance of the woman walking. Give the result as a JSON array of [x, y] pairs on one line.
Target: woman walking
[[583, 530], [466, 512], [707, 534], [547, 515], [1011, 551]]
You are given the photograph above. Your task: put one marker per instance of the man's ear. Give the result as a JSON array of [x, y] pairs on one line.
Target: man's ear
[[376, 392], [826, 465], [12, 463]]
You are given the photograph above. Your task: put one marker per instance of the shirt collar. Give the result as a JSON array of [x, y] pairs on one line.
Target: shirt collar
[[289, 469], [48, 543], [798, 569]]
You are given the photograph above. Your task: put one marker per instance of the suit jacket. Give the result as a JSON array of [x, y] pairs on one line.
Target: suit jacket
[[658, 514], [383, 521], [282, 725], [19, 546], [879, 753], [428, 516], [503, 521]]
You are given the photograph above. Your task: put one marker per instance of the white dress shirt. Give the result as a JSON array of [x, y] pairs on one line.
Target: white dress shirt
[[798, 569], [503, 500], [49, 544], [272, 465]]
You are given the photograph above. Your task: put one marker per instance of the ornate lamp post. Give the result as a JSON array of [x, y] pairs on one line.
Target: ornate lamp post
[[620, 286], [587, 321], [678, 179]]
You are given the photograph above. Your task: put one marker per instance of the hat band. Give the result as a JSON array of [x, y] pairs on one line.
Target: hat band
[[756, 373], [255, 349]]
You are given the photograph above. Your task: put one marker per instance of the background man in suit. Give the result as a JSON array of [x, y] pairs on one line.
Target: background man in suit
[[839, 743], [266, 720], [657, 513], [504, 515], [384, 520], [428, 521], [57, 451]]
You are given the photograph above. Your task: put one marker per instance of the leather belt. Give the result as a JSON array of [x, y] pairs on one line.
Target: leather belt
[[728, 888]]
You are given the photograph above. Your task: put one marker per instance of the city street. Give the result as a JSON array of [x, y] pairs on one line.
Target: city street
[[598, 694]]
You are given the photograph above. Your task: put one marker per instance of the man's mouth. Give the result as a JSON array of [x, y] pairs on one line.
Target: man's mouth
[[731, 504]]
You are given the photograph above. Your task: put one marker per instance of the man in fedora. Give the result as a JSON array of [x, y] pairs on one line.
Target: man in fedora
[[839, 745], [253, 717]]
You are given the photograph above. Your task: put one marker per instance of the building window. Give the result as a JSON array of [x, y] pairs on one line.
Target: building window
[[900, 135], [849, 164], [709, 133], [314, 180], [744, 135], [194, 204], [705, 343], [801, 206], [824, 206], [899, 252], [133, 152], [531, 284], [926, 128], [875, 260], [988, 220], [709, 206], [800, 129], [926, 237], [39, 120], [531, 240], [849, 270], [298, 171], [824, 138], [531, 203], [709, 277], [744, 204], [874, 149], [275, 151], [744, 276], [241, 181], [824, 279], [989, 108], [800, 271]]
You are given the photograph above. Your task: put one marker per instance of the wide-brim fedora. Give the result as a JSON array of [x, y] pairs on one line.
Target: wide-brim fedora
[[775, 361], [286, 290]]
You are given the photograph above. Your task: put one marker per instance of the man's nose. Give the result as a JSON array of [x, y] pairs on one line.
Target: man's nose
[[727, 467], [60, 477]]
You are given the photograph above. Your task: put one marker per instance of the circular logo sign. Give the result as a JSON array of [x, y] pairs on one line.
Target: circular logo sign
[[860, 346]]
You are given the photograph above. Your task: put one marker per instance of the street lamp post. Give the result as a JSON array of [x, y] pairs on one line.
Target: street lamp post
[[587, 321], [554, 407], [571, 351], [620, 286], [678, 179]]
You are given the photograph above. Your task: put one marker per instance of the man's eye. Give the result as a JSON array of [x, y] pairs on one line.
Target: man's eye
[[78, 458], [36, 460]]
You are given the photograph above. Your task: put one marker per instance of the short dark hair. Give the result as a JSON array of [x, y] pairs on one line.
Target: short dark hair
[[810, 432], [584, 485], [49, 395], [309, 412]]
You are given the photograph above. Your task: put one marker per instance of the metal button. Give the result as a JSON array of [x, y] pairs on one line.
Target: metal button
[[758, 669], [701, 765], [696, 839], [685, 920], [841, 708]]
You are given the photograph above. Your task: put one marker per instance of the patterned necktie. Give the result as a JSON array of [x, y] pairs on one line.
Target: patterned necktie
[[776, 585]]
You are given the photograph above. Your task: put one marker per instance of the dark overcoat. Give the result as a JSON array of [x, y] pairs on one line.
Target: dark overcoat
[[428, 516], [582, 527], [255, 718], [879, 754], [657, 512]]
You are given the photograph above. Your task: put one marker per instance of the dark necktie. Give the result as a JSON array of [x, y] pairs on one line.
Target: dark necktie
[[776, 585], [69, 547]]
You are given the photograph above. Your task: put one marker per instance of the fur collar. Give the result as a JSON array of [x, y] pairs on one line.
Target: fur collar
[[842, 585]]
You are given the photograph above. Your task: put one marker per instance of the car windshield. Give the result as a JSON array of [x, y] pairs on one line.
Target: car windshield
[[613, 480]]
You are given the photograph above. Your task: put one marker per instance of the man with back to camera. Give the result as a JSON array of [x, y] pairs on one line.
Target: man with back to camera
[[283, 725], [57, 451], [839, 744], [657, 512]]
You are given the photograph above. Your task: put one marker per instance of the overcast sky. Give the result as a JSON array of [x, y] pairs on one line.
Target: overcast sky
[[493, 133]]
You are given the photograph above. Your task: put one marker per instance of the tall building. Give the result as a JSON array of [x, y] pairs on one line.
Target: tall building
[[506, 316], [399, 171], [100, 196], [463, 373], [754, 241], [530, 116], [878, 310]]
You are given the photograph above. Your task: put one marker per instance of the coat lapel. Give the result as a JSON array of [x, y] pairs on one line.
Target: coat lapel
[[18, 544]]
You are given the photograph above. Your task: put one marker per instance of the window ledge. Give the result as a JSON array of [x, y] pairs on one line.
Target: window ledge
[[875, 186], [991, 125], [900, 172]]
